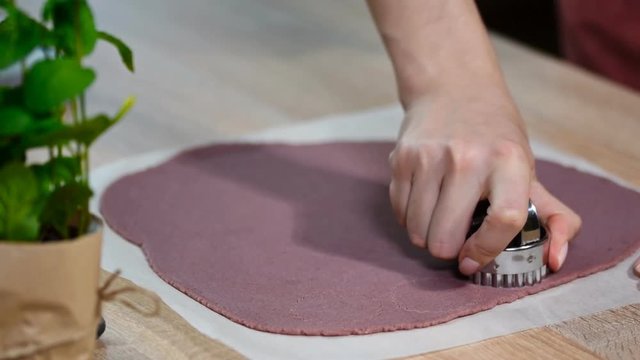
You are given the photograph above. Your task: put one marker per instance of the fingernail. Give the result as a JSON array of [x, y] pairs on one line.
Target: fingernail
[[468, 266], [563, 255]]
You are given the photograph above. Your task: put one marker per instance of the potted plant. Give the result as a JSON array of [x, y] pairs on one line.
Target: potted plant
[[49, 241]]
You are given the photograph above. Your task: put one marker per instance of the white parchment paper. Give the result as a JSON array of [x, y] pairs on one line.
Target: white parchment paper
[[612, 288]]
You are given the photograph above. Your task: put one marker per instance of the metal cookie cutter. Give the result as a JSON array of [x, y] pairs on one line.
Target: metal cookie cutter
[[522, 262]]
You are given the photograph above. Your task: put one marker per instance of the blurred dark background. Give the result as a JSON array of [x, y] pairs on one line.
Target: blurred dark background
[[533, 22]]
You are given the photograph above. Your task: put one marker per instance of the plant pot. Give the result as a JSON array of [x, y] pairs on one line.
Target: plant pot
[[49, 306]]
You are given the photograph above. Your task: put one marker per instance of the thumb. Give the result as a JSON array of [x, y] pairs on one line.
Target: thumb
[[636, 267], [561, 222]]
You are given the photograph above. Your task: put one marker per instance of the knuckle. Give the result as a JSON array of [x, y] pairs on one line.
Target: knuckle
[[431, 148], [428, 151], [466, 160], [423, 158], [420, 155], [392, 157], [405, 148], [395, 162], [507, 217], [403, 157], [509, 149]]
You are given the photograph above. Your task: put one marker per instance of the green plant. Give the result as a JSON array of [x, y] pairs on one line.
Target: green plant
[[46, 109]]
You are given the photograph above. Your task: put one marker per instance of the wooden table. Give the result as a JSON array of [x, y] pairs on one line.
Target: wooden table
[[212, 69]]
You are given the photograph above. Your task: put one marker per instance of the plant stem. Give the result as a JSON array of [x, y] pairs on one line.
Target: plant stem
[[78, 114], [74, 111], [76, 28], [83, 107], [81, 148], [84, 158], [77, 119], [52, 173], [85, 150]]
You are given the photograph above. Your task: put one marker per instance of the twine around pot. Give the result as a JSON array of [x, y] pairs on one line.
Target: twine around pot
[[105, 294]]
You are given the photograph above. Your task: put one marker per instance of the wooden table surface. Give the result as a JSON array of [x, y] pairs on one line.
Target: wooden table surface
[[212, 69]]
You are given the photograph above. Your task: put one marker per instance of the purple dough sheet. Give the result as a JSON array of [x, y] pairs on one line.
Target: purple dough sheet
[[301, 239]]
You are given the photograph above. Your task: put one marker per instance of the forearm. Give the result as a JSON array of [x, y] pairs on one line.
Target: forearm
[[435, 45]]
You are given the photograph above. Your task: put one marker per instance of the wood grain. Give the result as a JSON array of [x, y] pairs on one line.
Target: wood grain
[[614, 334], [132, 335], [611, 334], [574, 111], [541, 344]]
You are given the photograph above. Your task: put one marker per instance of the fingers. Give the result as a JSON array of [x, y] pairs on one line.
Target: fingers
[[435, 189], [423, 196], [509, 188], [636, 267], [399, 188], [561, 222], [451, 219]]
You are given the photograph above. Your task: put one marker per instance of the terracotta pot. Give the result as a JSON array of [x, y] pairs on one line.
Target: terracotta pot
[[49, 306]]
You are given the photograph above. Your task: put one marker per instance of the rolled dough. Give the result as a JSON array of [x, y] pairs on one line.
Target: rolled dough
[[300, 239]]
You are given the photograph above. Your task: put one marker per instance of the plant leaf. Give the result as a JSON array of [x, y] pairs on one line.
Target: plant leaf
[[51, 82], [126, 55], [11, 96], [57, 172], [64, 206], [10, 151], [13, 121], [47, 9], [52, 132], [73, 25], [88, 131], [125, 108], [48, 132], [19, 205], [19, 35]]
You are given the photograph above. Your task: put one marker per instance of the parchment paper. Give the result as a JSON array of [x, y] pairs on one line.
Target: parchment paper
[[608, 289]]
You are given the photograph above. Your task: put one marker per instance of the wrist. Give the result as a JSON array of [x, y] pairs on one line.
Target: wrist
[[463, 86]]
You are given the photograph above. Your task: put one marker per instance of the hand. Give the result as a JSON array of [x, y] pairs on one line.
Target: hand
[[457, 147], [636, 267]]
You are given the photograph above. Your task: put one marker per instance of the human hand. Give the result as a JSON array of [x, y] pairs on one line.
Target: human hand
[[455, 148]]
